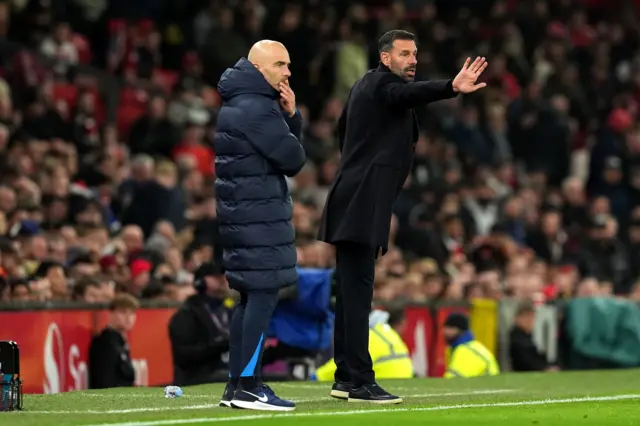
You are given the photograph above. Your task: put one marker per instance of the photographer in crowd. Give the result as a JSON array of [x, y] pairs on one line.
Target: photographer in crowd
[[199, 330]]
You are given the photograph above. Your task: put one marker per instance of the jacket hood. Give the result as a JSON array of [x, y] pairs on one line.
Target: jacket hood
[[244, 79]]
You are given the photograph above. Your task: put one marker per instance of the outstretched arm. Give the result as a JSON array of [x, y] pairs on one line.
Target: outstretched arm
[[394, 91]]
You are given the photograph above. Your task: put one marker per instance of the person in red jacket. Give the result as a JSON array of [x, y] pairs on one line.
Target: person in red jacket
[[192, 145]]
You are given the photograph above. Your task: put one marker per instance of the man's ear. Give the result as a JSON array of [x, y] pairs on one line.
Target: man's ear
[[385, 58]]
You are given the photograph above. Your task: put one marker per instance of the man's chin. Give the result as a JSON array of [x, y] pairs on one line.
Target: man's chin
[[409, 78]]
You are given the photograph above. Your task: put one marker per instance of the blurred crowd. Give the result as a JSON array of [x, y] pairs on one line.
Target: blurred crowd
[[529, 189]]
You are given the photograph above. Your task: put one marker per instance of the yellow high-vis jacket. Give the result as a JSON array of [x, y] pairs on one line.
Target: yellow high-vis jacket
[[389, 353], [470, 358]]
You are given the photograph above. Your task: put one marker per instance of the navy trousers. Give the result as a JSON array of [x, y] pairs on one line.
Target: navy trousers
[[249, 324]]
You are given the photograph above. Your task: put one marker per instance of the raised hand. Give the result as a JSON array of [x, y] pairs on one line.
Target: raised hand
[[287, 99], [465, 81]]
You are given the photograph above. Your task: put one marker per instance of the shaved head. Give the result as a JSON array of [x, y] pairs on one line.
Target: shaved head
[[271, 58]]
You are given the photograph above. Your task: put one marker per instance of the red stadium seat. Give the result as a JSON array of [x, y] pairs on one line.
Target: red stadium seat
[[166, 79], [84, 48], [133, 97], [126, 116], [66, 92]]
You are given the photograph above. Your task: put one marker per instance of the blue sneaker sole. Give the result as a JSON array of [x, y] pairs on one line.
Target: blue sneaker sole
[[259, 406], [225, 404]]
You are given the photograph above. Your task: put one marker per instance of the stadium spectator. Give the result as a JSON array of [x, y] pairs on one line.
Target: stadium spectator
[[110, 362], [524, 354], [469, 358], [199, 331], [87, 290]]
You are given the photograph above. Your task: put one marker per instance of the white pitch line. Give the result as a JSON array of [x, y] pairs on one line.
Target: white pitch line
[[424, 395], [134, 396], [320, 387], [128, 410], [210, 406], [376, 411]]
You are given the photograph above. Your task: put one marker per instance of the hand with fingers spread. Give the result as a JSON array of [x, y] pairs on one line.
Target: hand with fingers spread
[[287, 99], [465, 81]]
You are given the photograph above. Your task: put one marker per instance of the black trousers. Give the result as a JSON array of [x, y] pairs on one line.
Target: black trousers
[[355, 265]]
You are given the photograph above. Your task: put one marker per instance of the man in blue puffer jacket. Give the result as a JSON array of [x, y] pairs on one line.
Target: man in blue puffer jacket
[[257, 145]]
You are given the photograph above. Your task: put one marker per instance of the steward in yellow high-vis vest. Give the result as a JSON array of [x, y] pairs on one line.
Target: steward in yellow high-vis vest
[[469, 358], [389, 353]]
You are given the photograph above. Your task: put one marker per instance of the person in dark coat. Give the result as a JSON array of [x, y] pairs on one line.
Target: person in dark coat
[[523, 353], [110, 364], [257, 145], [377, 134], [199, 331]]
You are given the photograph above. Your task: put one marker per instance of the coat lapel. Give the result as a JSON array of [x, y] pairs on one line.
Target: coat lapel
[[414, 117], [416, 127]]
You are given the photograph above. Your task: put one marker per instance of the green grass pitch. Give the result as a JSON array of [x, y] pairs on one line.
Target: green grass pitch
[[576, 398]]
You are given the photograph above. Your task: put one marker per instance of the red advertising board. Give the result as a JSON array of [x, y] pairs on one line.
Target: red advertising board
[[418, 335], [54, 347]]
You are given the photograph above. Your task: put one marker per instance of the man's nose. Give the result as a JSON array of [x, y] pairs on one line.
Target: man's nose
[[286, 72]]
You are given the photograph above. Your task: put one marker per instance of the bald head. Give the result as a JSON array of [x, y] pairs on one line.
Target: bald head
[[271, 58], [264, 50]]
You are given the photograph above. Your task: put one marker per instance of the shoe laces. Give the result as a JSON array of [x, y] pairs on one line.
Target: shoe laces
[[376, 389], [270, 392], [266, 389]]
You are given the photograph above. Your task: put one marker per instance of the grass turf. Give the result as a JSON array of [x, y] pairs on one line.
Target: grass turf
[[575, 398]]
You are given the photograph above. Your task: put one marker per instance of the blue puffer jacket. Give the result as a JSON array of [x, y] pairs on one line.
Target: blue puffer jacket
[[256, 147]]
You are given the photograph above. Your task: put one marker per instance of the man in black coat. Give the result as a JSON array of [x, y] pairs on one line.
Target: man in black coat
[[377, 133], [523, 352], [199, 331], [257, 145], [110, 364]]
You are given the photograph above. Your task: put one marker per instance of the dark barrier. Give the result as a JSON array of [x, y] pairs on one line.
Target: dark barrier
[[10, 379]]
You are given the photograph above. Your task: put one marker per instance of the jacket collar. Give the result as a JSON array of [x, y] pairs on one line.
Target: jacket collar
[[244, 78], [382, 68], [465, 337]]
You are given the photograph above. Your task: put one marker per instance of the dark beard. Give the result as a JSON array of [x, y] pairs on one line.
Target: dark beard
[[407, 77], [402, 73]]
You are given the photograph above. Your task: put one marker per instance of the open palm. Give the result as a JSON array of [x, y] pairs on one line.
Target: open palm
[[465, 81]]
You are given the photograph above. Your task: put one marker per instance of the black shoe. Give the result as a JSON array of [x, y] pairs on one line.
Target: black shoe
[[340, 390], [373, 393], [227, 396]]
